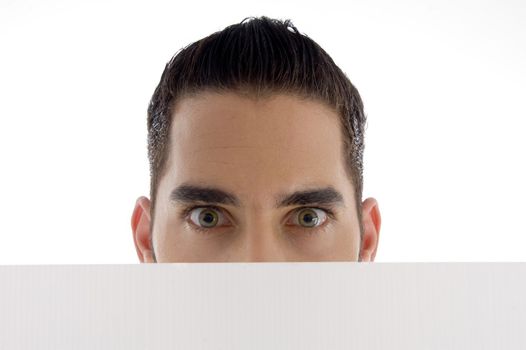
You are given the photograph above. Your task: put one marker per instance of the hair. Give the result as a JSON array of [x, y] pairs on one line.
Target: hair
[[257, 57]]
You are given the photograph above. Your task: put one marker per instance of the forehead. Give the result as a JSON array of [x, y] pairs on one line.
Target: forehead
[[254, 145]]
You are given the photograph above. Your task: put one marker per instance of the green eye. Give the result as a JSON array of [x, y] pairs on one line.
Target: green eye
[[205, 217], [310, 217]]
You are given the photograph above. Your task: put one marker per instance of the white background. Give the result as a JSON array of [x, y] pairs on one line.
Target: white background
[[443, 85]]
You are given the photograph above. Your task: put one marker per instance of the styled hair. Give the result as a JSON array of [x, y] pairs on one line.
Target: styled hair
[[257, 57]]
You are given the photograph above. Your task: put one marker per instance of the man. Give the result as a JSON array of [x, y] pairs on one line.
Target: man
[[255, 143]]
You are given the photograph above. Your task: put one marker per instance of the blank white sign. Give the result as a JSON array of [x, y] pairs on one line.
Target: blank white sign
[[330, 305]]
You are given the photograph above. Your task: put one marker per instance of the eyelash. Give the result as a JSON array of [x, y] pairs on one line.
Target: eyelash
[[186, 211]]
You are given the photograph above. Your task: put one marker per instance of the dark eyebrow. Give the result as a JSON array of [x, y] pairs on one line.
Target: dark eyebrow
[[325, 196], [192, 193]]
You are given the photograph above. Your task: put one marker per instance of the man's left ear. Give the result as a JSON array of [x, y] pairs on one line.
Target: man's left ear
[[371, 221]]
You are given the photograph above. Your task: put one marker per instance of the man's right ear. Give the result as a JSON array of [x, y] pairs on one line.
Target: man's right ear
[[140, 223]]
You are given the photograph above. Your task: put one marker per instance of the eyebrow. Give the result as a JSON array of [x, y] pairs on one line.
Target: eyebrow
[[187, 193], [192, 193]]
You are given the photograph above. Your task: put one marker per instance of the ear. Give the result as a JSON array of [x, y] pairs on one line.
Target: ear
[[140, 223], [372, 221]]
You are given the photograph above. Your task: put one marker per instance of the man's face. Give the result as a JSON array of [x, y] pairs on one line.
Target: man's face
[[251, 180]]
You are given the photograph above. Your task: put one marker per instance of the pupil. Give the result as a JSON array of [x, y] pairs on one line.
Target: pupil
[[308, 218], [209, 218]]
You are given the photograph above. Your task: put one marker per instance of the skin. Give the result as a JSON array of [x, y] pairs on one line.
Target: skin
[[257, 150]]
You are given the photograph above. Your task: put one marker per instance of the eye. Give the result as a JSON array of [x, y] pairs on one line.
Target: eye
[[206, 217], [309, 217]]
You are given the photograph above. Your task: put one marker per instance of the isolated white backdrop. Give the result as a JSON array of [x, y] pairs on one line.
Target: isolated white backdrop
[[443, 85]]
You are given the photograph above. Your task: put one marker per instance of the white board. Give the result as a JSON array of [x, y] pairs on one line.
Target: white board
[[330, 305]]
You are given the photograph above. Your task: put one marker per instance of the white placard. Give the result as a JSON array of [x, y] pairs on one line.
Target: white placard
[[329, 305]]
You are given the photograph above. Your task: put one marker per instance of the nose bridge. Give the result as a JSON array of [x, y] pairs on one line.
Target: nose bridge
[[262, 238]]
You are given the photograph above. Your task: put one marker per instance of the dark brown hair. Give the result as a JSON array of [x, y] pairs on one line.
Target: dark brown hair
[[257, 57]]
